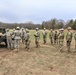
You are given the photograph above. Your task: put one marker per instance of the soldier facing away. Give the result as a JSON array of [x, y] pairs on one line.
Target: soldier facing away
[[17, 38], [27, 39], [75, 40], [51, 36], [37, 37], [61, 39], [68, 38], [9, 39], [23, 35], [44, 35]]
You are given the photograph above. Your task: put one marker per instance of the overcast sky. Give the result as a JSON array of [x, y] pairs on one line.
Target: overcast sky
[[36, 10]]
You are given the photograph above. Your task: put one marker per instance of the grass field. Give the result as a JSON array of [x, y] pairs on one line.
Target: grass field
[[45, 60]]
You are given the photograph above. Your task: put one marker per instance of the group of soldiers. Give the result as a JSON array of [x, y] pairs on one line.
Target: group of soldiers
[[14, 38]]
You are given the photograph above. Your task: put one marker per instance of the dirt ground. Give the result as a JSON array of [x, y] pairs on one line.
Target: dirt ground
[[46, 60]]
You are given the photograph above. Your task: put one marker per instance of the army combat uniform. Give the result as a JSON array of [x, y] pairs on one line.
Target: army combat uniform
[[61, 39], [51, 36], [23, 35], [55, 37], [27, 39], [68, 38], [13, 39], [9, 39], [17, 38], [37, 37], [44, 35]]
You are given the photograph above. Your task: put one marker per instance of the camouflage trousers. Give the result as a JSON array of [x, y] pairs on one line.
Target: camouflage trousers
[[61, 45], [37, 42], [44, 40], [13, 44], [51, 40], [68, 45], [17, 44], [23, 40], [9, 40], [27, 43]]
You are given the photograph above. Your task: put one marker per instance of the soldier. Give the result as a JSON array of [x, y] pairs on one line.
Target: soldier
[[9, 40], [75, 40], [37, 37], [13, 39], [68, 38], [44, 35], [58, 35], [51, 36], [27, 39], [55, 37], [23, 35], [61, 39], [17, 38]]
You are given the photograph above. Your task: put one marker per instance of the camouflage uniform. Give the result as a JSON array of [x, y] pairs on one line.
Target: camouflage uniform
[[44, 35], [51, 36], [17, 38], [23, 35], [27, 39], [61, 39], [75, 40], [13, 39], [37, 37], [9, 39], [68, 39], [55, 37]]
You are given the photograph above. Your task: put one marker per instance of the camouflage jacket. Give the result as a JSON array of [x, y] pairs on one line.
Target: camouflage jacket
[[69, 36], [61, 37], [44, 34], [51, 35]]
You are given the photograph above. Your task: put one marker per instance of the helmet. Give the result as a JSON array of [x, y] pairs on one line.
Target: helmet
[[69, 28], [44, 28], [18, 28], [37, 28]]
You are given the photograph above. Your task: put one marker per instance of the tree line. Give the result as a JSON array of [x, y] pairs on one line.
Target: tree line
[[51, 24]]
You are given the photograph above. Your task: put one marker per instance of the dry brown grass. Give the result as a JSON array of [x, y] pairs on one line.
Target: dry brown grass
[[46, 60]]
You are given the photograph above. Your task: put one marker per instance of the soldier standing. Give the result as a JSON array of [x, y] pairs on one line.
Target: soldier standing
[[44, 35], [9, 39], [51, 36], [68, 38], [37, 37], [13, 39], [27, 39], [17, 38], [55, 37], [75, 40], [23, 35], [61, 39]]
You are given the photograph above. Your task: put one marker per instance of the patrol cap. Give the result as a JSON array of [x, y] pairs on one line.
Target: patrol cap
[[69, 28]]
